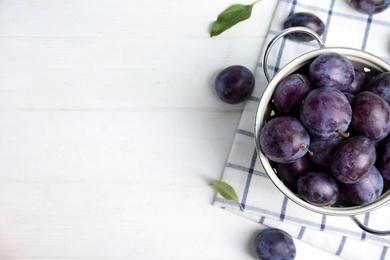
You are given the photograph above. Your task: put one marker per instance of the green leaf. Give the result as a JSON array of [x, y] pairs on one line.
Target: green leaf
[[227, 192], [231, 16]]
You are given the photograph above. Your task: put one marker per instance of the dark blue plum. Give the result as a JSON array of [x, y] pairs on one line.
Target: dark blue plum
[[283, 139], [358, 84], [349, 96], [380, 85], [332, 70], [318, 188], [383, 158], [366, 190], [290, 172], [307, 20], [234, 84], [290, 92], [370, 115], [274, 244], [323, 149], [369, 6], [326, 112], [353, 159]]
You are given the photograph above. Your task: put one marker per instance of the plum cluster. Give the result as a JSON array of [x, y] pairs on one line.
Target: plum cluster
[[329, 138]]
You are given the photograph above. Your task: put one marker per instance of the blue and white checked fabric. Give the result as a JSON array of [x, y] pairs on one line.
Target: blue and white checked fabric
[[263, 202]]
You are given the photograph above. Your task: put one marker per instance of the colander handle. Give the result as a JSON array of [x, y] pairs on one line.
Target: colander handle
[[283, 33], [370, 230]]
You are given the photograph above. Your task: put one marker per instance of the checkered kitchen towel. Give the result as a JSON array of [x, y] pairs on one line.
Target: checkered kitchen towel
[[263, 202]]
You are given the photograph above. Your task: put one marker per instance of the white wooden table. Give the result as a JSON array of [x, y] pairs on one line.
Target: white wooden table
[[111, 133]]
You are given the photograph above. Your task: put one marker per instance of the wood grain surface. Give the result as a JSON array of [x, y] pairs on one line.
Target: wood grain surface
[[111, 133]]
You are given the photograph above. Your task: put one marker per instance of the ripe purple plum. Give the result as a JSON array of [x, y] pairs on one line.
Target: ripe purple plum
[[234, 84], [383, 160], [366, 190], [290, 92], [290, 172], [369, 6], [323, 149], [307, 20], [370, 115], [349, 96], [284, 139], [353, 159], [332, 70], [359, 82], [318, 188], [380, 85], [326, 112], [273, 243]]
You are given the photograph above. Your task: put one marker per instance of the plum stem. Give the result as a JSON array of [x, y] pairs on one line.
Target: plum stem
[[307, 149], [345, 134], [303, 80]]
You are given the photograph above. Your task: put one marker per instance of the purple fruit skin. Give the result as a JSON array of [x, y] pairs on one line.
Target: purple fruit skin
[[234, 84], [366, 190], [323, 149], [349, 96], [383, 160], [290, 92], [273, 244], [318, 188], [370, 6], [332, 70], [307, 20], [370, 115], [325, 111], [282, 139], [353, 159], [290, 172], [380, 85], [359, 82]]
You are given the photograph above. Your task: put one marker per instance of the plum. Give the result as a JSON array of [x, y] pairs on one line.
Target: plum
[[273, 243], [234, 84], [283, 139], [307, 20]]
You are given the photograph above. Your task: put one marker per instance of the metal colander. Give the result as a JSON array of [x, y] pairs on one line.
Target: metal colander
[[362, 61]]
